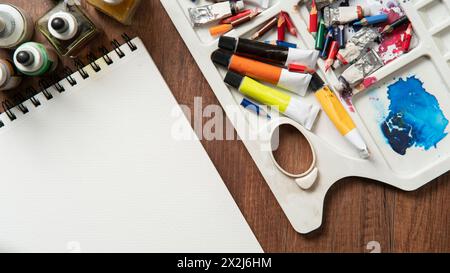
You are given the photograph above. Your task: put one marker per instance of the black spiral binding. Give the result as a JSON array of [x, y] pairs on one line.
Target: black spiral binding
[[44, 84]]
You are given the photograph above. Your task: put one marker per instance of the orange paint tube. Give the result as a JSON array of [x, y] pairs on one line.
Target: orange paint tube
[[255, 69], [291, 81]]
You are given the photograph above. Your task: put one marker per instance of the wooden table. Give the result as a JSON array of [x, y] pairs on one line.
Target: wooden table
[[357, 211]]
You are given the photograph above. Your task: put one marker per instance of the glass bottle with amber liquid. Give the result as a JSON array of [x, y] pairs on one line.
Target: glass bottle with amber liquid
[[121, 10], [67, 28]]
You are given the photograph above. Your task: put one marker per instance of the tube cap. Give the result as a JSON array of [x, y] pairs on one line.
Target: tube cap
[[228, 43], [240, 5], [221, 57], [233, 79], [316, 83]]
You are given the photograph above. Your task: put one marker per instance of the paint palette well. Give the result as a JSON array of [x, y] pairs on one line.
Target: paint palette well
[[407, 115], [427, 63]]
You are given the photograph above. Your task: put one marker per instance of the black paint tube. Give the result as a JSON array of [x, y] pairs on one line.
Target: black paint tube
[[274, 54]]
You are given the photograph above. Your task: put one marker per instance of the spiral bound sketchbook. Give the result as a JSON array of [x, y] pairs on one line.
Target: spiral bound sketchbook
[[92, 164]]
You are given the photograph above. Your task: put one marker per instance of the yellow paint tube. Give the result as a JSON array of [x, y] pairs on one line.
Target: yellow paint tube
[[334, 109], [298, 110]]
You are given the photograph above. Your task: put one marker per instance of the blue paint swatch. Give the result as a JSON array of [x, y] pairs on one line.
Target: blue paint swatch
[[414, 119]]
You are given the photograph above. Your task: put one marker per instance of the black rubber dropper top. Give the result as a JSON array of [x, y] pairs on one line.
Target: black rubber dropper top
[[59, 24], [24, 57]]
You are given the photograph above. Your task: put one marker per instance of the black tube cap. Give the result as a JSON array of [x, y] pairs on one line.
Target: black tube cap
[[24, 57], [228, 43], [221, 57], [316, 83], [233, 79]]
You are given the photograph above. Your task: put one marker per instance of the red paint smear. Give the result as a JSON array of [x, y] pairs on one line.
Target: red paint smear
[[349, 103], [347, 98], [369, 81], [394, 38]]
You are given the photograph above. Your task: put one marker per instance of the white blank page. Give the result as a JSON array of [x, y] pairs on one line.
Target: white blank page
[[96, 169]]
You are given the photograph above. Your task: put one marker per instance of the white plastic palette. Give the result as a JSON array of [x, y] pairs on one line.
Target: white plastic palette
[[429, 61]]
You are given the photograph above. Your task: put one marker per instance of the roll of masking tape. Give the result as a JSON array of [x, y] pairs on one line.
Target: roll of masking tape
[[308, 178]]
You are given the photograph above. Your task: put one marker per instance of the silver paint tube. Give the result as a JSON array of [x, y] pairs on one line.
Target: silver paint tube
[[355, 46], [210, 13], [356, 73]]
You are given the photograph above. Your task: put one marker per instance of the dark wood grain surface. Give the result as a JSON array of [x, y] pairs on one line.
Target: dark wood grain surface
[[358, 211]]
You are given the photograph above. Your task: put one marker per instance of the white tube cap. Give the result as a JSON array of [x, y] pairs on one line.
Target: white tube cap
[[240, 5]]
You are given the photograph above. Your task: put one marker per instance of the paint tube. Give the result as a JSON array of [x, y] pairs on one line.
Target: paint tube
[[343, 122], [323, 3], [356, 73], [254, 107], [209, 13], [273, 54], [298, 110], [355, 46], [295, 82], [343, 15]]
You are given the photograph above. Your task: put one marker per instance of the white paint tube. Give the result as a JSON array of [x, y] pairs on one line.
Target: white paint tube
[[356, 73], [210, 13]]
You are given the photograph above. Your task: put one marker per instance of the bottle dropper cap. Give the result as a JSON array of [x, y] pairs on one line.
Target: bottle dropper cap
[[63, 25], [221, 57], [59, 24], [24, 58], [228, 43]]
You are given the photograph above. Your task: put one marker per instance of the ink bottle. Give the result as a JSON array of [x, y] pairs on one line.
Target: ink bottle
[[16, 27], [9, 77], [121, 10], [67, 28], [35, 59]]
